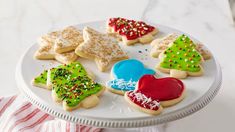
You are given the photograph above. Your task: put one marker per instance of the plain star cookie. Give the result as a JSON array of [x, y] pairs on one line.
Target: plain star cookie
[[48, 39], [151, 94], [159, 45], [131, 31], [46, 52], [59, 45], [68, 39], [100, 47], [71, 85], [181, 59], [125, 75]]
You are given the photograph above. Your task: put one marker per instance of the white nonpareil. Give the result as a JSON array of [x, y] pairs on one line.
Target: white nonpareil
[[144, 100]]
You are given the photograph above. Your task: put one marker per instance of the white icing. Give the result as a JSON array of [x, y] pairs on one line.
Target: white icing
[[122, 84], [144, 100]]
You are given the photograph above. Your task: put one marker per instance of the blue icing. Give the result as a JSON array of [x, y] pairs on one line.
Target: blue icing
[[126, 74]]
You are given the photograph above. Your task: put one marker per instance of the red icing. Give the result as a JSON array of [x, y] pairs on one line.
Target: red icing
[[152, 89], [162, 89], [129, 28]]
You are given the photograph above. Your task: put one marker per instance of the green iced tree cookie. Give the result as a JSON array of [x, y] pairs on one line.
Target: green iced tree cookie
[[41, 80], [70, 83], [182, 56]]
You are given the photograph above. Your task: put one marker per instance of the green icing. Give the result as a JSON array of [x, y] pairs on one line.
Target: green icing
[[182, 55], [42, 78], [71, 83]]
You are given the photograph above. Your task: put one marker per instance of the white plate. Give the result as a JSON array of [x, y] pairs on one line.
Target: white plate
[[112, 110]]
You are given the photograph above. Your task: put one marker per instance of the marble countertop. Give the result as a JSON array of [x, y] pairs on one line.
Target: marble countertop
[[210, 21]]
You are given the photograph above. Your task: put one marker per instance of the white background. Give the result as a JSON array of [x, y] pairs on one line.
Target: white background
[[22, 21]]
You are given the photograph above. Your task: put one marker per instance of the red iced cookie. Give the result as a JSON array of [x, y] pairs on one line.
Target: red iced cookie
[[131, 31], [150, 91]]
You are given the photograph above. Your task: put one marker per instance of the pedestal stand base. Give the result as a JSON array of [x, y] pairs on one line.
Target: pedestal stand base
[[158, 128]]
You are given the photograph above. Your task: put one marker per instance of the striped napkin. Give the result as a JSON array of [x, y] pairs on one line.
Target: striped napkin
[[19, 115]]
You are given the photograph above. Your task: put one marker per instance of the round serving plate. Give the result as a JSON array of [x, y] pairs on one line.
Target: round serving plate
[[113, 111]]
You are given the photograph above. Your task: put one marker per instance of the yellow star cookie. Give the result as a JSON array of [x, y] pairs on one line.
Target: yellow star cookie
[[100, 47]]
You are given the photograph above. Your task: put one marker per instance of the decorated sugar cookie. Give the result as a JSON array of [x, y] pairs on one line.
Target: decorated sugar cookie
[[41, 80], [160, 45], [72, 85], [125, 75], [131, 31], [181, 59], [101, 48], [152, 93]]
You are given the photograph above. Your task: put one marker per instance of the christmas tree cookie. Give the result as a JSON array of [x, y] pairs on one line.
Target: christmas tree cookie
[[71, 85], [161, 44], [41, 80], [181, 59], [131, 31]]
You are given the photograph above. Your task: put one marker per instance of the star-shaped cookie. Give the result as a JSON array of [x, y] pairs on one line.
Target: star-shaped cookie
[[100, 47], [68, 39], [46, 52], [48, 39]]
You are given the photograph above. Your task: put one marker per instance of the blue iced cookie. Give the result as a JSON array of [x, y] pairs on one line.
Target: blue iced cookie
[[126, 74]]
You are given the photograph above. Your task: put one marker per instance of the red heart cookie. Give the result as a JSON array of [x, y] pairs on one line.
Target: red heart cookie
[[161, 89], [150, 91]]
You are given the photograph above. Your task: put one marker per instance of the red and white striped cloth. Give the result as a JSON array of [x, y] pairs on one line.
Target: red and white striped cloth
[[19, 115]]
